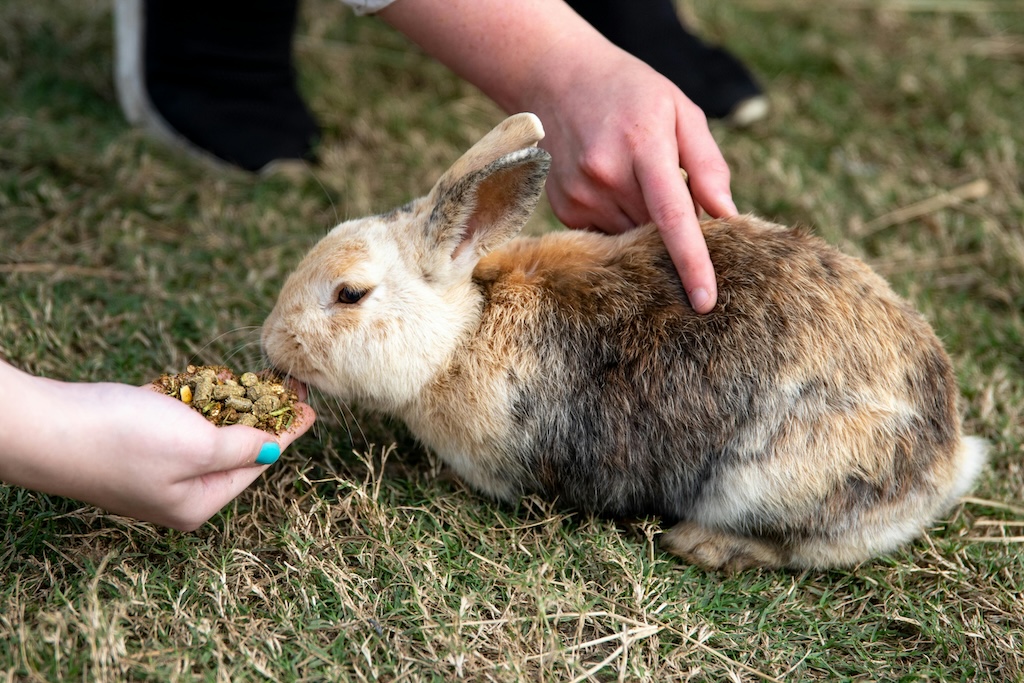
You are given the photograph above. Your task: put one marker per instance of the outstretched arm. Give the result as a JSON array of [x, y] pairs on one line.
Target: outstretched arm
[[129, 450], [618, 131]]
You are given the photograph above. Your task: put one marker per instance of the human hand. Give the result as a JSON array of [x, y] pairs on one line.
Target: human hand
[[618, 144], [617, 130], [132, 450]]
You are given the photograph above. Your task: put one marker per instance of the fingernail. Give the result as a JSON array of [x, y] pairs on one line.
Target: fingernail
[[269, 453], [699, 298]]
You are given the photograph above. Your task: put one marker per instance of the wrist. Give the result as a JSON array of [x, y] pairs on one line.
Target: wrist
[[45, 432], [25, 440]]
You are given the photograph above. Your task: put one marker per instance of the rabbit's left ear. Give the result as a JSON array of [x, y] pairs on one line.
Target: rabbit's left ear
[[517, 132], [487, 208], [489, 194]]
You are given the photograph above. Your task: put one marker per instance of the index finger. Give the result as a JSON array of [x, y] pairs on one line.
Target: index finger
[[672, 209], [700, 155]]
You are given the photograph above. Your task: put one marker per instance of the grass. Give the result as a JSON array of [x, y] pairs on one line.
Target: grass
[[356, 557]]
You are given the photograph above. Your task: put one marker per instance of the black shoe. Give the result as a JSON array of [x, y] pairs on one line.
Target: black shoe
[[710, 76], [215, 78]]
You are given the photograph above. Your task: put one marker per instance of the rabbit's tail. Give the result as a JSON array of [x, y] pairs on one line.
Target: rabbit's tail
[[971, 458]]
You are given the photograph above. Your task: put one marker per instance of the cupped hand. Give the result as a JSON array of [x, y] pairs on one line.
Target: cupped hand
[[136, 452], [177, 469]]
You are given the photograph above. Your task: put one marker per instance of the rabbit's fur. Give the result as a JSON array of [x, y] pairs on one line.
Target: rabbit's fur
[[809, 420]]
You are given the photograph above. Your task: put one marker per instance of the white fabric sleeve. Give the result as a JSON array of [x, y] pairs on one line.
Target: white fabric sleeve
[[367, 6]]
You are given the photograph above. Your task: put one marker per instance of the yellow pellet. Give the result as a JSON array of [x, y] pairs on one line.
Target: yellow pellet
[[186, 394]]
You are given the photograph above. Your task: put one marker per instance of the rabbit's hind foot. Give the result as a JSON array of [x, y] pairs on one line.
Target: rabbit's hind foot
[[720, 550]]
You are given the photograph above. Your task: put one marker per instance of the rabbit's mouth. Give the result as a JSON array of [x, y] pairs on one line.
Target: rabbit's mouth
[[298, 386]]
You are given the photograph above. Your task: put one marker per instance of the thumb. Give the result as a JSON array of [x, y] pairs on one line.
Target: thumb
[[237, 456], [239, 447]]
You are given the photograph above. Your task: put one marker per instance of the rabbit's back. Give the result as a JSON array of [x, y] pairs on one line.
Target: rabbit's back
[[812, 391]]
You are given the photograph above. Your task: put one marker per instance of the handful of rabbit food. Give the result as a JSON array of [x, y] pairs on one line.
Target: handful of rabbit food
[[809, 420], [256, 400]]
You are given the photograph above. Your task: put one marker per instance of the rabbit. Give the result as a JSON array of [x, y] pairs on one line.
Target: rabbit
[[810, 420]]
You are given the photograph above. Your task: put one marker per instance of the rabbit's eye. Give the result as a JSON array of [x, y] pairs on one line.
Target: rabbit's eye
[[350, 295]]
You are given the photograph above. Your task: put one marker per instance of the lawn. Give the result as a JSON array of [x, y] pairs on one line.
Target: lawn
[[897, 133]]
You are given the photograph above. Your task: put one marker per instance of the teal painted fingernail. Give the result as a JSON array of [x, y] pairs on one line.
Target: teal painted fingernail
[[269, 453]]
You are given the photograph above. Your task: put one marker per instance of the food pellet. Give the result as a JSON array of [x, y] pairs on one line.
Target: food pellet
[[265, 405], [222, 392], [242, 405], [248, 419], [258, 391], [202, 392]]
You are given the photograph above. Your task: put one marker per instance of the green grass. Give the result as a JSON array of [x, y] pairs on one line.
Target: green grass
[[353, 560]]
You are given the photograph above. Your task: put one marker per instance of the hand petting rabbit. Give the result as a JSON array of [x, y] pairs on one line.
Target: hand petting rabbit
[[809, 420]]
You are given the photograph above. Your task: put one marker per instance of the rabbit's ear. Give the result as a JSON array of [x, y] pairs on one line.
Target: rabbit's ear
[[488, 195], [517, 132]]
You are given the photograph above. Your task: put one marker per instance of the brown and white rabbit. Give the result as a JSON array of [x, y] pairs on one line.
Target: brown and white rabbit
[[809, 420]]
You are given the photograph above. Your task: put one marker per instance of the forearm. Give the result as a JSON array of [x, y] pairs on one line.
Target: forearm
[[33, 432], [517, 53]]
